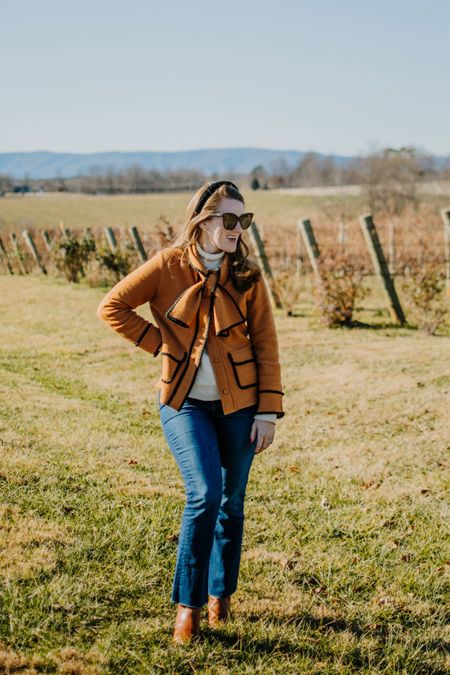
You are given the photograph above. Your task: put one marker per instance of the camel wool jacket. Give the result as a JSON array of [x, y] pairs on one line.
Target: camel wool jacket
[[193, 306]]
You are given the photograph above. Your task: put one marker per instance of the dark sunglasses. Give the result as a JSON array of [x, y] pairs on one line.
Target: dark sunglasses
[[230, 219]]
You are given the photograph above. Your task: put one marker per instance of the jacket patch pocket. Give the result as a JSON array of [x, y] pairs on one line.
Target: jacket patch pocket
[[244, 367], [171, 364]]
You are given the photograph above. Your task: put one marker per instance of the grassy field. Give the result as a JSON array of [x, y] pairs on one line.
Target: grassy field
[[48, 209], [344, 560], [271, 207]]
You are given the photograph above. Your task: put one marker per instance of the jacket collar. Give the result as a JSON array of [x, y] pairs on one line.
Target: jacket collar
[[225, 310], [197, 263]]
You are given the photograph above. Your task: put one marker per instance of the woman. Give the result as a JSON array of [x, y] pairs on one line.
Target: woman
[[220, 390]]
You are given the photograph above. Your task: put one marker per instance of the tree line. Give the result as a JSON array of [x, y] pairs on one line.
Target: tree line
[[405, 167]]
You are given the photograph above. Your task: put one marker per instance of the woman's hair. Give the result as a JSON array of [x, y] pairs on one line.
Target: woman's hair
[[243, 271]]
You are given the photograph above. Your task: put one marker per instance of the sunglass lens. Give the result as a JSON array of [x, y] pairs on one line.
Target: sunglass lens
[[229, 221], [246, 220]]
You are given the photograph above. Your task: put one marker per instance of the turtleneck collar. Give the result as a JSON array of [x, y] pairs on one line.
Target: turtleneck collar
[[209, 256]]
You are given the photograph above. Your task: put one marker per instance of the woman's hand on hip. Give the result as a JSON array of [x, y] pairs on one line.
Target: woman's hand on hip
[[264, 432]]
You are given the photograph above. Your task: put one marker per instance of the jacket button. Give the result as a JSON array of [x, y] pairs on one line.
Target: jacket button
[[216, 360], [225, 391]]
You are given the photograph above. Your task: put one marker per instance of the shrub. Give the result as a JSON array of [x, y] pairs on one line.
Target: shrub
[[338, 288], [289, 287], [425, 291], [71, 256], [119, 262]]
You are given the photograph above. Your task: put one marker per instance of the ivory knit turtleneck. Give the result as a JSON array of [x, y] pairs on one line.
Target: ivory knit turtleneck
[[204, 386]]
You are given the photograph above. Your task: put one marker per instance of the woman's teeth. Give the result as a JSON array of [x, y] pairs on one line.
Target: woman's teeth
[[232, 237]]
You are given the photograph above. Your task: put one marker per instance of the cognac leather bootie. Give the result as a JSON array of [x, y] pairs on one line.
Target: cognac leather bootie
[[187, 624], [219, 610]]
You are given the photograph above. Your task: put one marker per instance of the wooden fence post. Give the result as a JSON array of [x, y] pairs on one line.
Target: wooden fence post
[[4, 252], [298, 246], [341, 235], [47, 240], [18, 252], [67, 234], [311, 245], [124, 240], [34, 252], [391, 248], [110, 238], [445, 213], [381, 268], [264, 262], [138, 243]]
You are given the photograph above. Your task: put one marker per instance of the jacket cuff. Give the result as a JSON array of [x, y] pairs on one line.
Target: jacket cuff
[[267, 417], [270, 401], [150, 340]]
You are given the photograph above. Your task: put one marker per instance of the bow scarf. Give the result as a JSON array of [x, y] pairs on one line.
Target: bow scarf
[[226, 312]]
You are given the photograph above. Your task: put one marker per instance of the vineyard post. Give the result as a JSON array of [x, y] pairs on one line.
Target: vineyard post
[[299, 258], [47, 241], [18, 252], [311, 245], [110, 238], [138, 243], [445, 213], [264, 262], [391, 248], [381, 268], [6, 255], [341, 235], [65, 231], [89, 237], [124, 241], [34, 252]]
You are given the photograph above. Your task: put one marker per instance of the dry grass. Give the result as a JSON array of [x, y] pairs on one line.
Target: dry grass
[[46, 210], [344, 562]]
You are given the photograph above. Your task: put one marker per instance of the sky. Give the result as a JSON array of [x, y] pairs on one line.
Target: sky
[[332, 76]]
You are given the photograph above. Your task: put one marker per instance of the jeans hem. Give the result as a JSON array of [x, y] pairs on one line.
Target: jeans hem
[[186, 604]]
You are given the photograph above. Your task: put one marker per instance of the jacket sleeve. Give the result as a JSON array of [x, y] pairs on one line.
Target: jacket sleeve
[[137, 288], [263, 336]]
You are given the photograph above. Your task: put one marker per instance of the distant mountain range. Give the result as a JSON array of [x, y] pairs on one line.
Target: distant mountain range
[[42, 164]]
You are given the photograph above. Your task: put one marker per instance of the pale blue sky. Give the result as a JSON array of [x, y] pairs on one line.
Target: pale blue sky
[[333, 76]]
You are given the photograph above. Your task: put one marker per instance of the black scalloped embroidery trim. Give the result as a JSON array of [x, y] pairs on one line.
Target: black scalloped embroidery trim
[[177, 300], [143, 334], [171, 356], [278, 413], [271, 391], [236, 375], [178, 366], [234, 302]]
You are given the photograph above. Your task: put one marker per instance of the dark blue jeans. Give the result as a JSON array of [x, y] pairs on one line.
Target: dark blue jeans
[[214, 454]]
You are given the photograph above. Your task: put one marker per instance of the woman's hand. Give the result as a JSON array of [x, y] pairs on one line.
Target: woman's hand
[[264, 431]]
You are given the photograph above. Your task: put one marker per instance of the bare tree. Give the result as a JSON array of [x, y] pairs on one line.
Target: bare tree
[[390, 179]]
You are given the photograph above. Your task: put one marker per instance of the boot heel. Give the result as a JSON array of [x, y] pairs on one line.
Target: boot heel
[[219, 610], [187, 624]]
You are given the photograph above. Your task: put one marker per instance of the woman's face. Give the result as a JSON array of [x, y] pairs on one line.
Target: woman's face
[[214, 237]]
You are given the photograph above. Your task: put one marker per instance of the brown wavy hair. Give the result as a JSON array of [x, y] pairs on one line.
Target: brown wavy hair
[[244, 271]]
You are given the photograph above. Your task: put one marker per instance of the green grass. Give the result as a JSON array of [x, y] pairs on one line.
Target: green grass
[[344, 558]]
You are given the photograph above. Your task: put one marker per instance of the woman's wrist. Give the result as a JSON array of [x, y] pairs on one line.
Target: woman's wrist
[[267, 417]]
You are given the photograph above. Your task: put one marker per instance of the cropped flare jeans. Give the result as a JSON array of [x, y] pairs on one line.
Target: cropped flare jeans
[[214, 454]]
